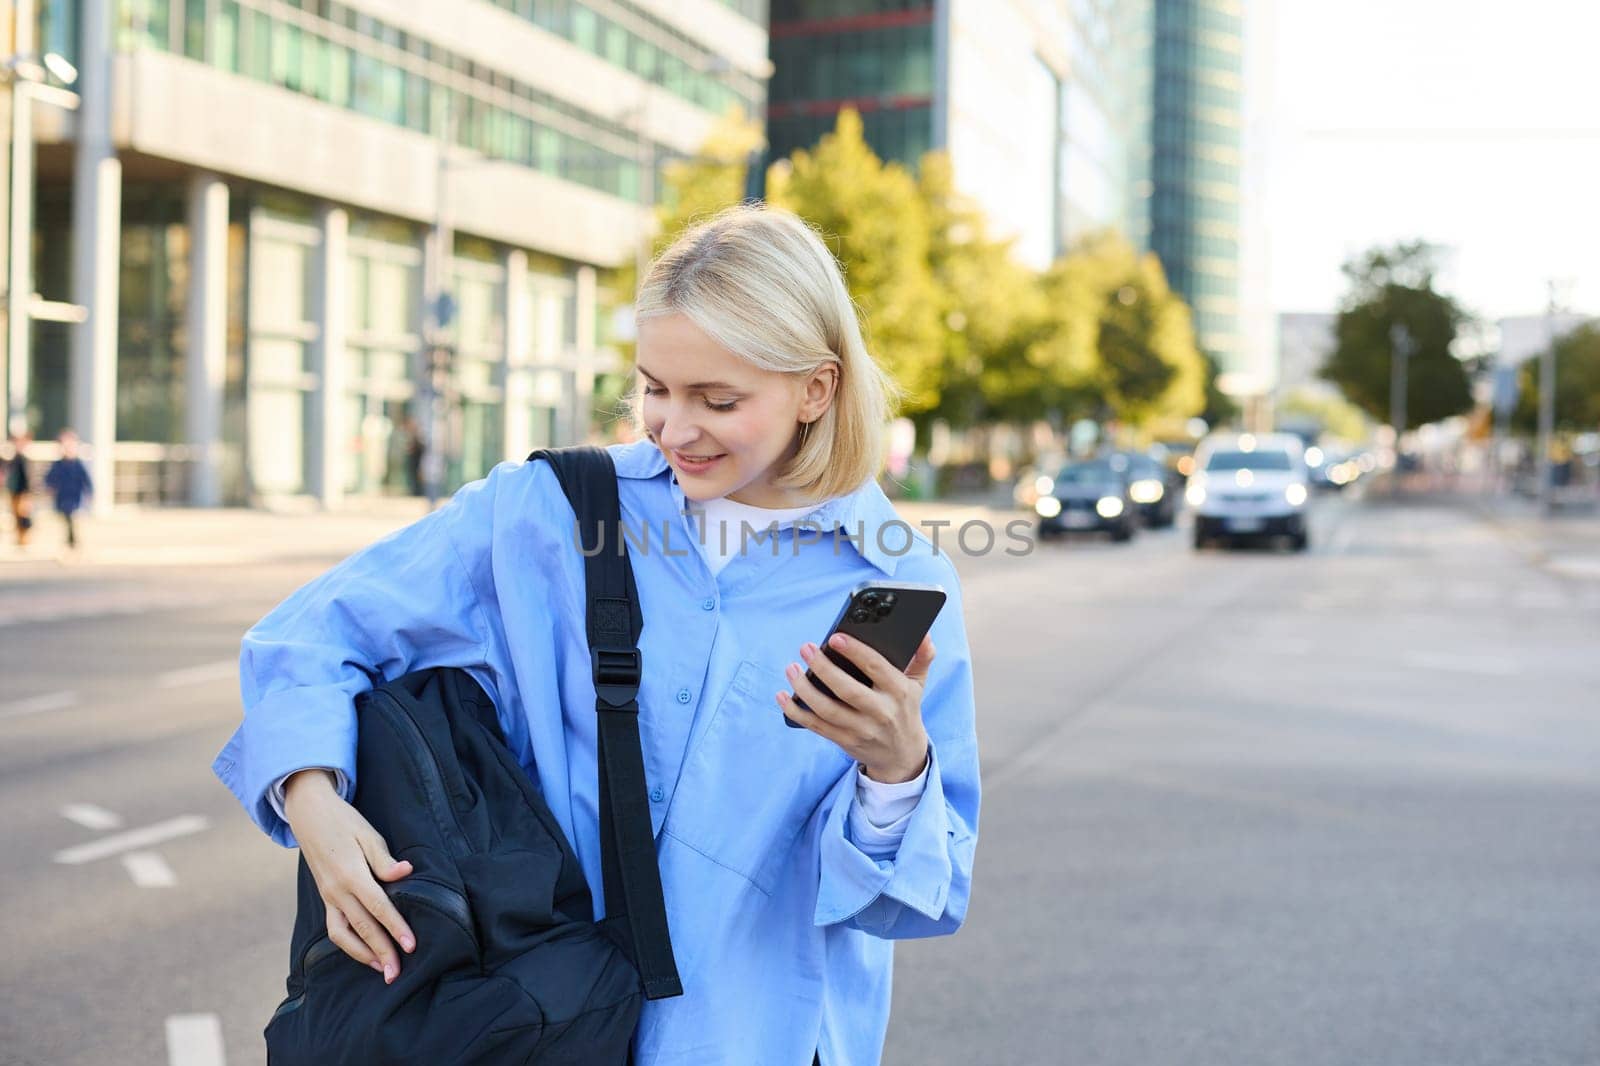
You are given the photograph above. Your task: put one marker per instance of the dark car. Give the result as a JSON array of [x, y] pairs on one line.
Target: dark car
[[1154, 489], [1088, 497]]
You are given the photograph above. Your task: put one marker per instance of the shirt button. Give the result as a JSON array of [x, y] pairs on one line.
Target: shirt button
[[683, 695], [657, 794], [708, 604]]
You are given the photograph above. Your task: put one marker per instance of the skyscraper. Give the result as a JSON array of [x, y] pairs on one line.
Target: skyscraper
[[1036, 101], [1191, 217]]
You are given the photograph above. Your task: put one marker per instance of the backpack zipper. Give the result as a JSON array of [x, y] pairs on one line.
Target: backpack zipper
[[428, 770]]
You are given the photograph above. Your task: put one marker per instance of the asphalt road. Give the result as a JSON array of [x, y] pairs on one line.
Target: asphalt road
[[1239, 808]]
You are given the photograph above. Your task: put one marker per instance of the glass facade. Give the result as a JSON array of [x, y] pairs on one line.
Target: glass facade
[[1197, 55], [282, 383], [342, 57], [478, 283], [628, 36], [873, 55], [275, 438], [383, 335]]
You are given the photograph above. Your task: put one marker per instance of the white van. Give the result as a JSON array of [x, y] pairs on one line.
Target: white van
[[1249, 485]]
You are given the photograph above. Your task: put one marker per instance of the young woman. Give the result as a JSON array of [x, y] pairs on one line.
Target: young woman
[[790, 859]]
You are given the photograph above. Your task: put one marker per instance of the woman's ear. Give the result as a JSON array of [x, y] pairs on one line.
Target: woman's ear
[[820, 389]]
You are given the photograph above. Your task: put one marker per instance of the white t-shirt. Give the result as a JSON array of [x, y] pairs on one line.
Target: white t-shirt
[[720, 526]]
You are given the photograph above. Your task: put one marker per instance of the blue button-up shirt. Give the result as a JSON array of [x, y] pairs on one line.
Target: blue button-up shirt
[[782, 926]]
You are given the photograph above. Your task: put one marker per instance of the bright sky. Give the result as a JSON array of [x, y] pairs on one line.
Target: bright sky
[[1474, 124]]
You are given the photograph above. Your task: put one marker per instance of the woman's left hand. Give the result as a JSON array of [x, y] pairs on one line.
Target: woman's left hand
[[878, 726]]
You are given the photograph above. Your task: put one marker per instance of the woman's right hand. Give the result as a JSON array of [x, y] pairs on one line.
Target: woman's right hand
[[347, 858]]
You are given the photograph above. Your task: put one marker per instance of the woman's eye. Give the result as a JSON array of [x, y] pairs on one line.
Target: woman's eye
[[648, 391], [721, 406]]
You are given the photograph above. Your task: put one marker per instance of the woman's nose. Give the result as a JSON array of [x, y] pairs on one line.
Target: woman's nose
[[677, 432]]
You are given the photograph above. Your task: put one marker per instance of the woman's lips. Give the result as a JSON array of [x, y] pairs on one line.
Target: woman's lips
[[695, 466]]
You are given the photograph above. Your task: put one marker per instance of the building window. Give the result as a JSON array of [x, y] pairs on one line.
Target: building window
[[281, 392], [328, 52], [382, 339]]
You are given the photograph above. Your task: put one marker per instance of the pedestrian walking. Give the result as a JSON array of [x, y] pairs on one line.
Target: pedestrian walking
[[19, 486], [411, 437], [791, 859], [68, 481]]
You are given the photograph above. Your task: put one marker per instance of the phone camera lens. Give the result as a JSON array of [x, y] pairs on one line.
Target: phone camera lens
[[870, 600], [860, 614], [883, 610]]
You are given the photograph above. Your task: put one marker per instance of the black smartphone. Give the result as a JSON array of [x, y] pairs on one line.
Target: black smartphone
[[889, 617]]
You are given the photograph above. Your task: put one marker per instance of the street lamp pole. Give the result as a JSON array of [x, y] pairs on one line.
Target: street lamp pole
[[1399, 366], [1547, 407], [435, 372]]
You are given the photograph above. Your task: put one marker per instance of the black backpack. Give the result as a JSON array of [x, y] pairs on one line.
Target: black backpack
[[510, 966]]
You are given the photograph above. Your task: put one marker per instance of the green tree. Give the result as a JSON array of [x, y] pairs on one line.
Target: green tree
[[1333, 414], [1116, 341], [872, 217], [1219, 408], [1577, 383], [1394, 287], [989, 304], [696, 187]]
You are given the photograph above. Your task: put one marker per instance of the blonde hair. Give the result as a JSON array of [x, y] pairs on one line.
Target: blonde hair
[[761, 283]]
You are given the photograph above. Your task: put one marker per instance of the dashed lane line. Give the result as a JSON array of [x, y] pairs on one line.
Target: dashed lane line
[[91, 817], [50, 701], [132, 840], [149, 870], [195, 1040], [220, 670]]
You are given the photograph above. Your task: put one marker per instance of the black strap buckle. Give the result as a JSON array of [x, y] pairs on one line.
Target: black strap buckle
[[617, 672]]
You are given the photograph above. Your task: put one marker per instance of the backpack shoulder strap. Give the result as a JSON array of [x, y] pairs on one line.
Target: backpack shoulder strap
[[614, 622]]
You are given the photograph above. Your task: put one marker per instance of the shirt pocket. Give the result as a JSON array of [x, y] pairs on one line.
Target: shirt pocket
[[752, 782]]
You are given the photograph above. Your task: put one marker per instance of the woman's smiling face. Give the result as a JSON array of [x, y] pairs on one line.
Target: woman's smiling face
[[725, 426]]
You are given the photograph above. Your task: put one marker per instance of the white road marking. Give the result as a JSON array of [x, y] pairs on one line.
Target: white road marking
[[132, 840], [149, 870], [1466, 664], [194, 675], [50, 701], [195, 1040], [91, 817]]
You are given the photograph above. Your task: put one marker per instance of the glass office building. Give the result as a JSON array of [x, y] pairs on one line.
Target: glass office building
[[876, 56], [246, 210], [1035, 100], [1191, 216]]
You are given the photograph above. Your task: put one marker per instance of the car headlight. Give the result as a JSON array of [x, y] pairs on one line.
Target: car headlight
[[1147, 490], [1108, 506], [1314, 457], [1295, 494], [1195, 494], [1047, 506], [1043, 485]]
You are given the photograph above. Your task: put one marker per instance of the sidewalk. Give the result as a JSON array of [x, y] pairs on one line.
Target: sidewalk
[[190, 537], [1566, 543], [181, 536]]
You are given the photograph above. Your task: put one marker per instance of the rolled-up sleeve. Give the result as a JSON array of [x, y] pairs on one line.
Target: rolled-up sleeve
[[406, 603], [923, 889]]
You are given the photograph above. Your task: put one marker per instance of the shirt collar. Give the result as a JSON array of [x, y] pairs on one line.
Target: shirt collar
[[860, 513]]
